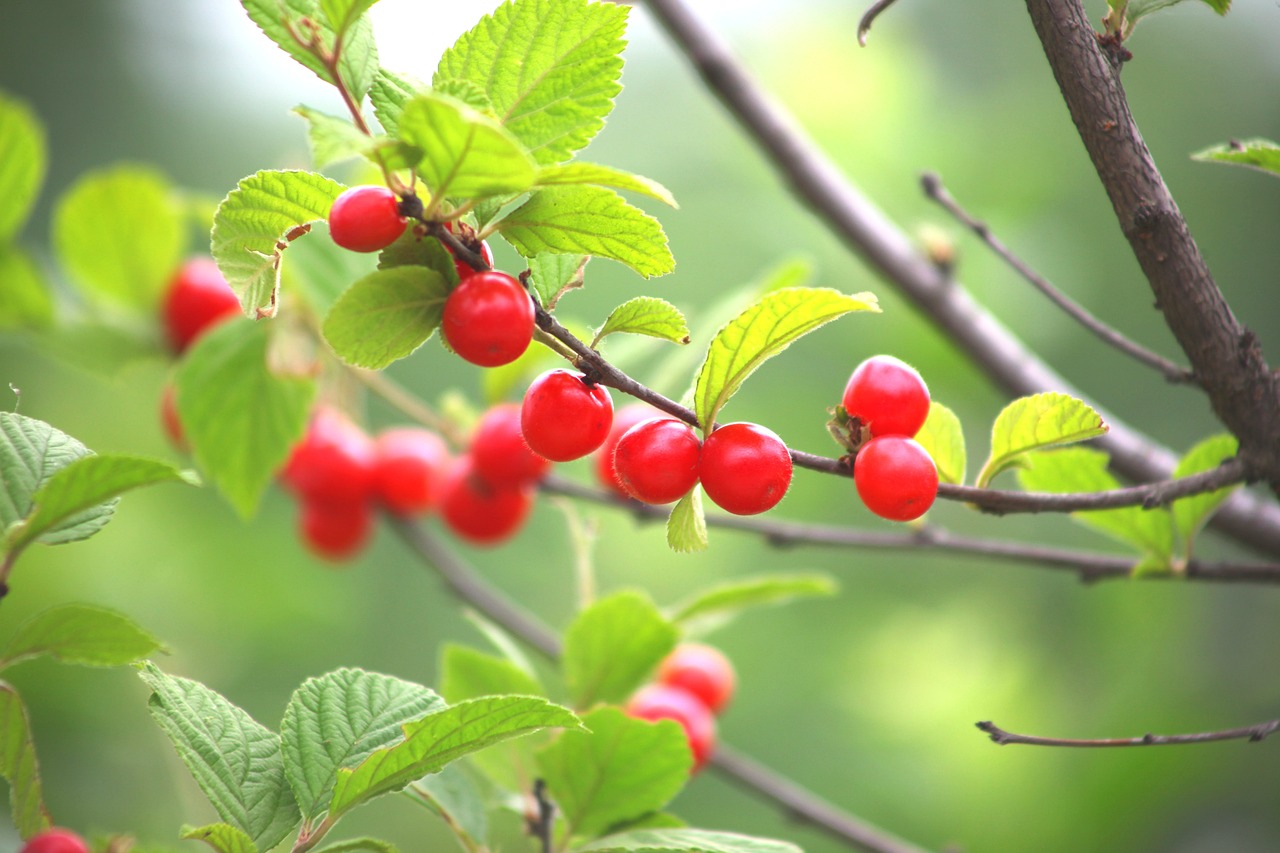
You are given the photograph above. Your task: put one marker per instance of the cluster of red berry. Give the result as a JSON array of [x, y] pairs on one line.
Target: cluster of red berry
[[894, 474], [55, 840], [340, 475], [692, 687]]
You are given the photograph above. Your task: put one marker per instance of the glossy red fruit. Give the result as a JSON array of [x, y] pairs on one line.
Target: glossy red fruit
[[663, 702], [55, 841], [488, 319], [409, 469], [623, 420], [169, 418], [464, 269], [888, 396], [335, 531], [480, 513], [198, 298], [703, 671], [745, 468], [499, 454], [366, 219], [656, 461], [563, 417], [334, 461], [895, 477]]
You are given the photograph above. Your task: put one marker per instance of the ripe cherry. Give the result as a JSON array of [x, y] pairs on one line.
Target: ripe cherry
[[488, 319], [887, 396], [703, 671], [409, 469], [657, 461], [198, 299], [895, 477], [655, 702], [55, 841], [464, 269], [366, 219], [480, 513], [499, 454], [745, 468], [335, 531], [623, 420], [564, 417], [334, 461]]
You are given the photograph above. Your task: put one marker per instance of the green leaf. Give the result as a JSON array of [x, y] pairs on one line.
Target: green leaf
[[586, 220], [1034, 423], [235, 761], [613, 646], [716, 606], [332, 139], [761, 331], [19, 767], [257, 221], [359, 60], [389, 93], [343, 13], [442, 737], [464, 153], [222, 837], [646, 315], [372, 845], [549, 67], [466, 673], [1261, 154], [619, 770], [1081, 469], [604, 176], [942, 436], [386, 315], [120, 233], [1191, 513], [22, 164], [31, 453], [340, 719], [502, 640], [81, 634], [25, 301], [81, 496], [241, 418], [552, 275], [687, 524], [455, 797], [686, 841]]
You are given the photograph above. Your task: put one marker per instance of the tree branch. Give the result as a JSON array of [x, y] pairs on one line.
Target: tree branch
[[1225, 356], [760, 780], [1250, 733], [935, 191], [866, 231]]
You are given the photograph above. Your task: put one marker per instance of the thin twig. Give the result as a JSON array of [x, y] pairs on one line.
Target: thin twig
[[865, 230], [934, 190], [864, 25], [1250, 733], [760, 780]]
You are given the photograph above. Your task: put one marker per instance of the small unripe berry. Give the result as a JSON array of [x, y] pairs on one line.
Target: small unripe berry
[[198, 299], [702, 670], [655, 702], [564, 417], [488, 319], [55, 841], [895, 477], [366, 219], [887, 396], [745, 468], [657, 461]]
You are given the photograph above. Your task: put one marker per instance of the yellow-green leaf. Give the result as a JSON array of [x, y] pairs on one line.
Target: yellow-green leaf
[[942, 436], [1034, 423]]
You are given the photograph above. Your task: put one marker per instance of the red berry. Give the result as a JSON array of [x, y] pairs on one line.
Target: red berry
[[745, 468], [55, 841], [499, 454], [198, 299], [464, 269], [895, 477], [488, 319], [703, 671], [887, 396], [623, 420], [169, 418], [480, 513], [563, 417], [334, 461], [663, 702], [366, 219], [657, 460], [409, 468], [335, 531]]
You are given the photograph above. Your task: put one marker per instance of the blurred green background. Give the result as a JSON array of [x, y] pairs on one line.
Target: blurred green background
[[869, 697]]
